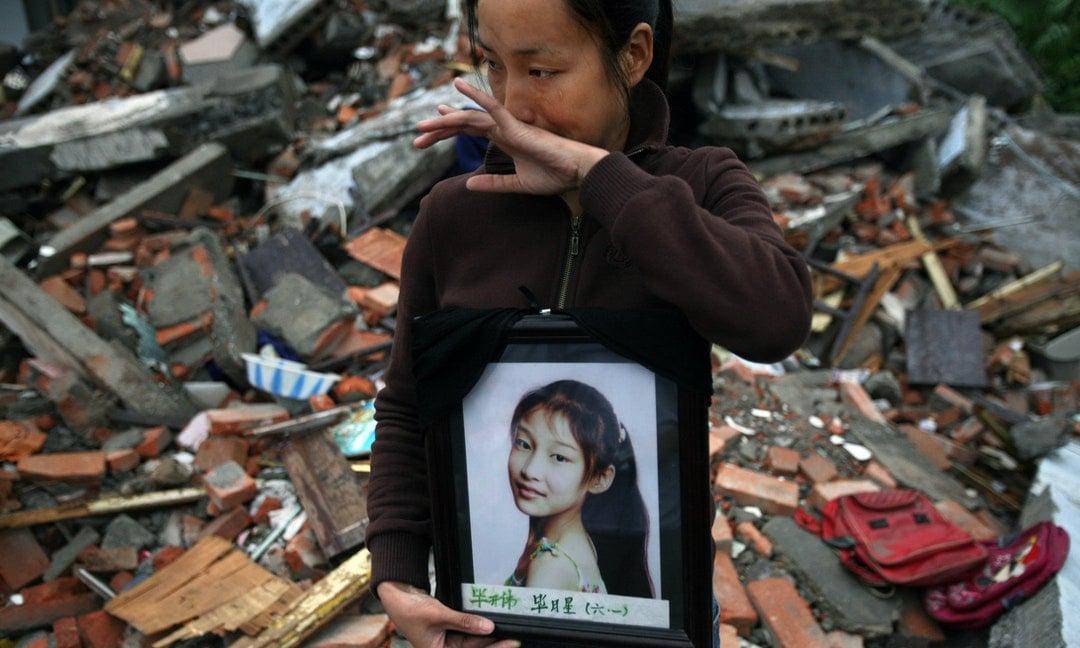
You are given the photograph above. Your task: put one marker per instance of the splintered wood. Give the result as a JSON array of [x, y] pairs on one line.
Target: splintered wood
[[318, 605], [379, 248], [328, 490], [212, 587]]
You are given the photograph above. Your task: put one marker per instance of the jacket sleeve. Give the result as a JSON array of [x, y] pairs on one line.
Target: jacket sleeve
[[399, 512], [719, 258]]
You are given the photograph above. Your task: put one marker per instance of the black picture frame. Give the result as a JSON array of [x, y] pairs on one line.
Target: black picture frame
[[684, 497]]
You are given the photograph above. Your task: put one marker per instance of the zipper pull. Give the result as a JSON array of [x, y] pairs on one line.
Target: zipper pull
[[575, 242]]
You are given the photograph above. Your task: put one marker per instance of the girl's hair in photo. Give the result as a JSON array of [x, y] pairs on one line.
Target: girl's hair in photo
[[611, 22], [616, 520]]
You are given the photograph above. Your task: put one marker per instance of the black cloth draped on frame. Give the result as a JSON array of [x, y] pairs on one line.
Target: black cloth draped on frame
[[452, 347]]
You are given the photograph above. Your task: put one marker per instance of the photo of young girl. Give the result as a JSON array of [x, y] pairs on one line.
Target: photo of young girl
[[562, 478], [572, 471]]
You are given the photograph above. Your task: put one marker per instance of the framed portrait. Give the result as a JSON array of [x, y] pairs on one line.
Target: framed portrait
[[570, 496]]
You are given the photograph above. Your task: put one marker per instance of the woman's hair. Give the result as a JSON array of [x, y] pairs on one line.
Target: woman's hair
[[616, 519], [611, 22]]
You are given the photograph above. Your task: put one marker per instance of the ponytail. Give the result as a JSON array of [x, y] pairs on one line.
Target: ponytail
[[618, 523]]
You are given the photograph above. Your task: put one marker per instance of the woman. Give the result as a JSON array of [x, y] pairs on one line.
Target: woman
[[582, 201]]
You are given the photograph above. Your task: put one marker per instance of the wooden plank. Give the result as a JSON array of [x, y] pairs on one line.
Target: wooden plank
[[238, 613], [319, 605], [52, 333], [1024, 298], [884, 284], [103, 506], [897, 255], [1054, 315], [1023, 282], [933, 266], [328, 490], [190, 564]]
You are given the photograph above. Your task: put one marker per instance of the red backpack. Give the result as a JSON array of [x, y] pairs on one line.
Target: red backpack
[[896, 537], [1016, 569]]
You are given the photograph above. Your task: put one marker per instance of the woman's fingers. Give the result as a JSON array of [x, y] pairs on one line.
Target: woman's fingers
[[430, 139], [467, 623], [493, 183], [497, 111]]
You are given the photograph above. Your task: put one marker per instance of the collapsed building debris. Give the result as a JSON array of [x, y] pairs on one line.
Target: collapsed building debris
[[202, 222]]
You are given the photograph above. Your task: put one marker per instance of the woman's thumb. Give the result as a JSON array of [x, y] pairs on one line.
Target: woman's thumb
[[468, 623]]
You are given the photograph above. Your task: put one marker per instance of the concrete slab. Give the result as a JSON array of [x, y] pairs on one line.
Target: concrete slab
[[850, 604]]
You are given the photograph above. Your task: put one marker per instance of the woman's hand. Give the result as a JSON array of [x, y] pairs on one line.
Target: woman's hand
[[545, 163], [427, 623]]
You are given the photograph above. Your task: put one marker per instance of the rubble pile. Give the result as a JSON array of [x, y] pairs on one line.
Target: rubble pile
[[202, 217]]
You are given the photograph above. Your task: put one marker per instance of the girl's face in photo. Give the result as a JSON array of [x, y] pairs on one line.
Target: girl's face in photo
[[546, 466], [547, 70]]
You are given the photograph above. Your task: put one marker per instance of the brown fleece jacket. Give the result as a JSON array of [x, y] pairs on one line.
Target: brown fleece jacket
[[663, 227]]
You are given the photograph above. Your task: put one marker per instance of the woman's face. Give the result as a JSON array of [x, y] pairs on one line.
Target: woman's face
[[546, 466], [548, 71]]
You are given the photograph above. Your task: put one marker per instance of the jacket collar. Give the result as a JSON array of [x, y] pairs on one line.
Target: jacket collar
[[650, 118]]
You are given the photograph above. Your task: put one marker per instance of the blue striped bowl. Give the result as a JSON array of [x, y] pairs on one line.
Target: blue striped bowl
[[286, 378]]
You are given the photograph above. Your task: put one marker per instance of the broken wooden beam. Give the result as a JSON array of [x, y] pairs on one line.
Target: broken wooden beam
[[325, 600], [52, 333], [328, 490], [206, 167], [1013, 286], [103, 506]]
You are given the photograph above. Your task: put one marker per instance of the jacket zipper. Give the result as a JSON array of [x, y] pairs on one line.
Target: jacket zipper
[[571, 253], [574, 247]]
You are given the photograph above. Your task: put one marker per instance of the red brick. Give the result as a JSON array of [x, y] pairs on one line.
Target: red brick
[[303, 554], [354, 631], [824, 493], [968, 431], [269, 504], [879, 474], [854, 396], [215, 451], [750, 535], [64, 466], [40, 642], [101, 630], [166, 555], [228, 485], [19, 440], [946, 418], [915, 627], [729, 636], [786, 614], [66, 633], [321, 403], [227, 525], [22, 560], [784, 461], [62, 292], [721, 438], [154, 442], [954, 398], [736, 370], [928, 445], [817, 469], [735, 607], [15, 618], [234, 420], [121, 461], [721, 532], [109, 560], [54, 590], [120, 580], [750, 488], [966, 520]]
